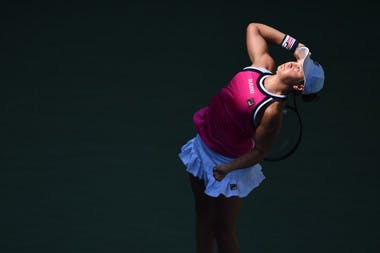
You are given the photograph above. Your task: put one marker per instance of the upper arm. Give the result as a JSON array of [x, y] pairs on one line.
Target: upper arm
[[268, 128], [257, 48]]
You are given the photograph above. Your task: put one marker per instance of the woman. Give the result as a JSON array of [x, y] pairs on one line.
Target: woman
[[237, 129]]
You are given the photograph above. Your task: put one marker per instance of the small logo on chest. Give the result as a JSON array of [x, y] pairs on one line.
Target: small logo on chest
[[250, 102]]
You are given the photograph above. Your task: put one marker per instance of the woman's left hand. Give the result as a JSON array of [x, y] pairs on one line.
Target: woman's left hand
[[220, 171]]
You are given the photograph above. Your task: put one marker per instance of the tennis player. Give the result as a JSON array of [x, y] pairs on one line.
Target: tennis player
[[237, 129]]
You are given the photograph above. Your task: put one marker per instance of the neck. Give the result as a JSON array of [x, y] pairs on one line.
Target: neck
[[275, 86]]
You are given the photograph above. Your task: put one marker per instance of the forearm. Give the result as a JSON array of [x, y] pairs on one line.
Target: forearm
[[269, 33], [272, 35], [246, 160]]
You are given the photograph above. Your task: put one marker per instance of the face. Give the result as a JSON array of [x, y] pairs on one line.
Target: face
[[291, 72]]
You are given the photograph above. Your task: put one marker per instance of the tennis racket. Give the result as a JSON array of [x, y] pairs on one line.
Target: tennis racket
[[290, 134]]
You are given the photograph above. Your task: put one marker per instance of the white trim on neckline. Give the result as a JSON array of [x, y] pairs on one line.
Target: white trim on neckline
[[261, 83], [259, 68]]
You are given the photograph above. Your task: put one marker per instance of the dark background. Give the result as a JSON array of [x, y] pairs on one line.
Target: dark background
[[97, 98]]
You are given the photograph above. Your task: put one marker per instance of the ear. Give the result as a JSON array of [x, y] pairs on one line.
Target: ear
[[298, 87]]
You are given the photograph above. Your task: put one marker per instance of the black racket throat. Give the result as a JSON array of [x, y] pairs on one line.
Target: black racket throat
[[290, 148]]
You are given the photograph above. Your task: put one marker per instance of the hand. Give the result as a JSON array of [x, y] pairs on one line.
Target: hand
[[220, 171], [301, 53], [296, 52]]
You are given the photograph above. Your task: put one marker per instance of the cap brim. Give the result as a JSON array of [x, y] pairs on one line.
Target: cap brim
[[313, 72], [304, 55]]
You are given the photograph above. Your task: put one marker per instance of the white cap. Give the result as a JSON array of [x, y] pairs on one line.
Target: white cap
[[313, 72]]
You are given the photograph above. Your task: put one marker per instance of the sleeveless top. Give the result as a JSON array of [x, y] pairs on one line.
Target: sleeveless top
[[227, 124]]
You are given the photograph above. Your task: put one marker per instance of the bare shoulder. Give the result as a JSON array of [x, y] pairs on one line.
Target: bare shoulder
[[265, 61]]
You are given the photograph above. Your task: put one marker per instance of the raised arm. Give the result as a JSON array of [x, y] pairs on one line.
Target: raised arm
[[258, 37]]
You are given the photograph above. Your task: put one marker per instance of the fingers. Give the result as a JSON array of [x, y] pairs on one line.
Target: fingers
[[218, 177], [218, 174]]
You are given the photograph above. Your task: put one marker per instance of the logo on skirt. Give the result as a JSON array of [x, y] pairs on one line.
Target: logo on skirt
[[233, 187]]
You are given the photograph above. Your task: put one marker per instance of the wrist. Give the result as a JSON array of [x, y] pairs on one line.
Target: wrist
[[229, 167], [289, 43]]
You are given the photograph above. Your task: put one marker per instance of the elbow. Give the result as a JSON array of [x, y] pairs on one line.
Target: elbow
[[260, 153], [253, 26], [262, 156]]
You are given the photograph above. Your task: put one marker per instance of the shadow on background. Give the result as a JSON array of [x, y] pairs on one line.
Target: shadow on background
[[97, 100]]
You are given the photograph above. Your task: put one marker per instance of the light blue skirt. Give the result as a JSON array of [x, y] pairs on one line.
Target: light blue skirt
[[200, 161]]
